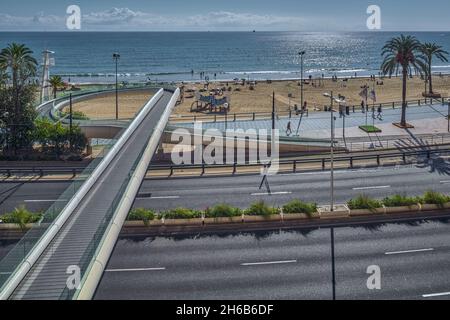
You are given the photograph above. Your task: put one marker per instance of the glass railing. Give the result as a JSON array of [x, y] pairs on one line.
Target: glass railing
[[14, 258], [95, 244]]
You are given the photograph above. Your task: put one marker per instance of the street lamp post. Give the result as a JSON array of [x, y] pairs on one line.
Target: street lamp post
[[333, 267], [70, 122], [332, 99], [116, 58], [301, 54], [448, 116]]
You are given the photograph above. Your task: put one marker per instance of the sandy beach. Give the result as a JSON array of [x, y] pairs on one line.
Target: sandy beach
[[260, 99], [105, 107], [245, 100]]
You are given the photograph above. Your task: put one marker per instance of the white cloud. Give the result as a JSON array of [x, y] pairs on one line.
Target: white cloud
[[127, 19]]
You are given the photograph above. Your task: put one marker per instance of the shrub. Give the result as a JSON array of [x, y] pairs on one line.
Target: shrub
[[400, 201], [55, 138], [364, 202], [261, 209], [76, 115], [222, 210], [433, 197], [141, 214], [181, 213], [298, 206], [22, 217]]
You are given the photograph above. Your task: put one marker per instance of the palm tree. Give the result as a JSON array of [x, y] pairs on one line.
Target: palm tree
[[430, 50], [17, 62], [405, 52], [55, 82]]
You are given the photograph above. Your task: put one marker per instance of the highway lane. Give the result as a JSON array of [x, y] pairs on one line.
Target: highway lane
[[241, 190], [414, 261]]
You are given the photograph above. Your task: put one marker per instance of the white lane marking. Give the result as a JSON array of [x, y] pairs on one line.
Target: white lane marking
[[45, 200], [134, 270], [269, 262], [375, 187], [271, 194], [325, 172], [445, 182], [431, 295], [161, 197], [409, 251]]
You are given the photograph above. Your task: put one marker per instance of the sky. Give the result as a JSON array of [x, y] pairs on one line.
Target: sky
[[226, 15]]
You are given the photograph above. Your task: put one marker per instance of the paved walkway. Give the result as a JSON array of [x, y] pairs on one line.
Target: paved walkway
[[427, 119]]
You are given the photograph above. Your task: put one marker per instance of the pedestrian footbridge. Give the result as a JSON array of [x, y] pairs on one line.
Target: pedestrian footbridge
[[65, 255]]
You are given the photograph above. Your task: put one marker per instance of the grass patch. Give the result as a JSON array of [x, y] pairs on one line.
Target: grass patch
[[370, 129], [21, 216], [141, 214], [260, 208], [181, 213], [298, 206], [364, 202], [76, 115], [222, 211], [401, 201], [433, 197]]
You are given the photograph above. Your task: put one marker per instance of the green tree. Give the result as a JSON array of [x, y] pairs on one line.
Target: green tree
[[17, 62], [403, 52], [55, 138], [17, 136], [430, 50], [56, 82]]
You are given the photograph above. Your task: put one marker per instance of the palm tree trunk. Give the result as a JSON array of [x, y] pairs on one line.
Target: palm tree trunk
[[405, 77], [430, 78]]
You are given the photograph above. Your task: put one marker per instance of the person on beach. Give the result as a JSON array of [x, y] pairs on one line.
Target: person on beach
[[288, 129]]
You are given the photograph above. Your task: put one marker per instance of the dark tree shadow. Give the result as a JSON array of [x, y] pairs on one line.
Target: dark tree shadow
[[435, 164]]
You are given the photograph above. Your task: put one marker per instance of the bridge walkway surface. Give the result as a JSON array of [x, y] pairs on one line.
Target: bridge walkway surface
[[47, 278]]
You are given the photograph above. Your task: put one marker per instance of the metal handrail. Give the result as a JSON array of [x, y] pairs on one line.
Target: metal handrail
[[231, 117]]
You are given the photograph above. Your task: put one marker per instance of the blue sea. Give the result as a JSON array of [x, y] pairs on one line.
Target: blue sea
[[86, 57]]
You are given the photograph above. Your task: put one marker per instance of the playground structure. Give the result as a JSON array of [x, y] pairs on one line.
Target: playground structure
[[210, 103]]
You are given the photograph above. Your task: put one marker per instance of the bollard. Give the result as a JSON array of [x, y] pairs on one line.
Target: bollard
[[378, 159], [234, 168], [323, 164], [253, 116], [234, 118], [294, 169], [171, 171], [351, 162]]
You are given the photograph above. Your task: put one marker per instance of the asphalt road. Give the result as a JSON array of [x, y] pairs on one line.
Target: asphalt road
[[414, 263], [241, 190]]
